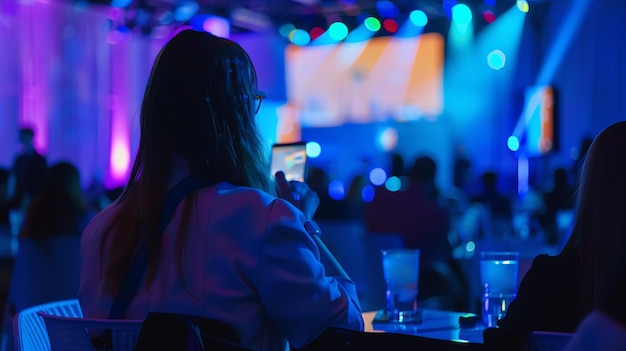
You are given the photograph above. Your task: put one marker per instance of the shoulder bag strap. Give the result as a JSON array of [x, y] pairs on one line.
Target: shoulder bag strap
[[134, 276]]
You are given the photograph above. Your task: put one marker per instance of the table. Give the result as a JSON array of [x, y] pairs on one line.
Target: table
[[436, 324]]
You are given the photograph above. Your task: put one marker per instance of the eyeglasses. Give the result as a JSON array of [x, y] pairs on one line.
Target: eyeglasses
[[258, 99]]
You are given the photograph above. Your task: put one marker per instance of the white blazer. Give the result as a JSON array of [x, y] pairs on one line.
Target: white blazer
[[247, 261]]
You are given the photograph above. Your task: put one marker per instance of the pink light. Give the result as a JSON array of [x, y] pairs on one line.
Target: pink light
[[217, 26], [390, 25], [316, 32], [119, 159], [489, 16]]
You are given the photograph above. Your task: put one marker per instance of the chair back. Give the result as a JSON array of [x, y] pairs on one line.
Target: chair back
[[29, 328], [71, 333]]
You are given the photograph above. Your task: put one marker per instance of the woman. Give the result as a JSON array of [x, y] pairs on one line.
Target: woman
[[558, 292], [47, 263], [233, 251]]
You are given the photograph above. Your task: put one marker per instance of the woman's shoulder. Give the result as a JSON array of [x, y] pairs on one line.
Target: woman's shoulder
[[235, 195], [546, 260], [559, 267]]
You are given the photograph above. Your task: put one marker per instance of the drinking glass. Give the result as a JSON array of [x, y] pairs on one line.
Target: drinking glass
[[498, 275], [401, 271]]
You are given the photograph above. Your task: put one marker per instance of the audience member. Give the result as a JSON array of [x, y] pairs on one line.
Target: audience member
[[457, 200], [423, 173], [574, 171], [233, 251], [355, 197], [28, 170], [559, 291], [559, 198], [47, 263], [415, 214], [4, 202], [329, 209], [499, 206], [604, 328]]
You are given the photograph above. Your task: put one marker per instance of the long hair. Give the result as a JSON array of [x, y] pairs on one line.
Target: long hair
[[599, 233], [199, 105], [58, 206]]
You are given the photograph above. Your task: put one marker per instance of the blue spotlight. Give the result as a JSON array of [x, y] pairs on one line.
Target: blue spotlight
[[461, 14]]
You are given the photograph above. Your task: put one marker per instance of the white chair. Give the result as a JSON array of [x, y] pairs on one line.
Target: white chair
[[70, 333], [29, 328], [45, 271]]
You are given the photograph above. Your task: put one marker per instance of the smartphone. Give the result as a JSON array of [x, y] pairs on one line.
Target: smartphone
[[291, 159]]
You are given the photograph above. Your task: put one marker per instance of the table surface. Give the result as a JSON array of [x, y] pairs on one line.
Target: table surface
[[436, 324]]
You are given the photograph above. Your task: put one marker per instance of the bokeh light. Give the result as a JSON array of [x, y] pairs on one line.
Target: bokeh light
[[121, 3], [367, 193], [299, 37], [336, 190], [513, 143], [418, 18], [316, 32], [338, 31], [496, 60], [523, 6], [378, 176], [186, 10], [387, 9], [390, 25], [372, 24], [489, 16], [388, 139], [461, 14], [393, 184], [313, 149], [286, 29]]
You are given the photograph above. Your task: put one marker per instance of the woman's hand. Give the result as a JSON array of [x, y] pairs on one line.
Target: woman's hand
[[298, 194]]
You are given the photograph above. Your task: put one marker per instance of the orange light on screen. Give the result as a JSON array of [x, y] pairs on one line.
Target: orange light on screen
[[330, 85]]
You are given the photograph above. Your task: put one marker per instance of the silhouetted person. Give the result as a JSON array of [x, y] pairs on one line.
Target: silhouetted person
[[4, 200], [559, 291], [574, 171], [329, 209], [560, 197], [423, 172], [499, 205], [355, 197], [28, 170], [47, 263], [423, 224]]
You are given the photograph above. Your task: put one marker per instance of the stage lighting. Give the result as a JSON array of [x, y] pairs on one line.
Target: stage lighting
[[496, 60], [338, 31], [390, 25], [418, 18], [523, 6], [489, 16], [299, 37], [461, 14], [372, 24]]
